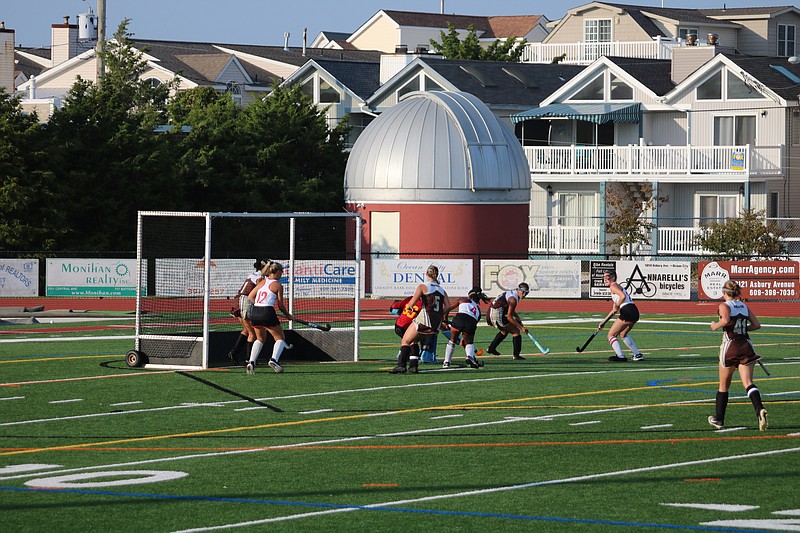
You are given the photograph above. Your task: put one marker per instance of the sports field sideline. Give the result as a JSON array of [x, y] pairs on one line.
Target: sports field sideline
[[557, 442]]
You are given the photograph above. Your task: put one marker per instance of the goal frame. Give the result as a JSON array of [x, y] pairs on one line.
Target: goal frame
[[140, 359]]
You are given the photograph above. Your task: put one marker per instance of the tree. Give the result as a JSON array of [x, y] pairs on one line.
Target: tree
[[749, 236], [28, 218], [625, 208], [107, 160], [452, 47]]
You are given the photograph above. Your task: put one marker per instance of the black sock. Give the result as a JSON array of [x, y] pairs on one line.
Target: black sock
[[496, 342], [722, 403], [517, 342], [415, 350], [405, 354], [755, 397]]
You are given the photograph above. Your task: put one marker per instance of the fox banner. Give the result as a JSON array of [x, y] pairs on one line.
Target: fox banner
[[759, 280]]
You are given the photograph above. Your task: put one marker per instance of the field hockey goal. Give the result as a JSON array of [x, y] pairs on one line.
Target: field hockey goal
[[192, 264]]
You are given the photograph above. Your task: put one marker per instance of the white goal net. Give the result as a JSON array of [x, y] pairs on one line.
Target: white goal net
[[192, 264]]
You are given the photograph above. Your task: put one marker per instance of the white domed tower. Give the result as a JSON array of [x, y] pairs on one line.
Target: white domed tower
[[439, 173]]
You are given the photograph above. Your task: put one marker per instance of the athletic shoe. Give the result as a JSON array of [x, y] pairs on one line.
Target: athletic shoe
[[717, 423], [518, 358], [615, 359], [762, 420], [493, 351], [446, 365], [638, 357], [251, 368], [413, 369], [472, 363], [398, 370], [275, 366]]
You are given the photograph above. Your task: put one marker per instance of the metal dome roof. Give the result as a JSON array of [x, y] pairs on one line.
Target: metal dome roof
[[437, 146]]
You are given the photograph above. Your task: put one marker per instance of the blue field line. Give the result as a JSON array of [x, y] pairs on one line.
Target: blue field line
[[588, 521]]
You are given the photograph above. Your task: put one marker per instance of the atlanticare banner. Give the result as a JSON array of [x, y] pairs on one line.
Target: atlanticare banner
[[546, 279], [761, 280], [91, 277], [19, 277]]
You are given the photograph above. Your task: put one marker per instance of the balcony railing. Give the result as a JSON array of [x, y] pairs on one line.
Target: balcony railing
[[585, 53], [675, 237], [655, 160]]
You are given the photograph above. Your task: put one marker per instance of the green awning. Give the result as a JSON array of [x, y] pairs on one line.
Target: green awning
[[597, 113]]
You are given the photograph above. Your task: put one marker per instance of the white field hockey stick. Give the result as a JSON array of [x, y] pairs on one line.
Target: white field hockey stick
[[538, 345]]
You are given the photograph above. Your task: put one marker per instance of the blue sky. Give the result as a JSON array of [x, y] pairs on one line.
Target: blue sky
[[265, 21]]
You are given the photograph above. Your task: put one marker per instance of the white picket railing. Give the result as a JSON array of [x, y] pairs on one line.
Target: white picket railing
[[585, 53], [658, 160]]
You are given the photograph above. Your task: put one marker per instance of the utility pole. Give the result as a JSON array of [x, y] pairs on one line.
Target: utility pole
[[101, 38]]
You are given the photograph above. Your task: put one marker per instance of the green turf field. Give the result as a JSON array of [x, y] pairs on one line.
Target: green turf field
[[561, 442]]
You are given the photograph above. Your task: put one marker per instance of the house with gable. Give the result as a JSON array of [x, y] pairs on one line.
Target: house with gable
[[712, 139], [388, 29], [591, 30]]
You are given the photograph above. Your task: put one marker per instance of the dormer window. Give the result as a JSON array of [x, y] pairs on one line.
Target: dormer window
[[786, 40], [235, 90], [606, 86]]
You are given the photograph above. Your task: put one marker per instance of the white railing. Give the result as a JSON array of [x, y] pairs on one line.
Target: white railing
[[558, 237], [585, 53], [658, 160]]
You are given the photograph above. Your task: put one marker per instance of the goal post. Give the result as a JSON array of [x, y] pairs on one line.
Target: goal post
[[190, 265]]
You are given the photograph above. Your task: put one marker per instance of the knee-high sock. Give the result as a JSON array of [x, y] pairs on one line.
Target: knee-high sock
[[255, 351], [614, 341], [470, 349], [277, 350], [755, 398], [405, 355], [448, 351], [517, 342], [627, 339], [415, 349], [497, 340], [722, 403]]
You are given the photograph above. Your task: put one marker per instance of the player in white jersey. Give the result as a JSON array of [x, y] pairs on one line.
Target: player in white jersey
[[628, 316], [247, 334], [265, 296], [736, 352], [465, 323]]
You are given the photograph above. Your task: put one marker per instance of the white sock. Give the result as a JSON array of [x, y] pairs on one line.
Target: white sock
[[448, 352], [616, 347], [277, 350], [470, 349], [632, 345], [255, 351]]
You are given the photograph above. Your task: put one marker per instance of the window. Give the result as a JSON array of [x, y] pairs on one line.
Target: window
[[718, 207], [411, 86], [786, 40], [772, 209], [591, 91], [307, 89], [327, 94], [738, 89], [576, 209], [738, 130], [431, 85], [795, 128], [711, 89], [683, 32], [235, 90], [154, 82], [620, 90], [597, 31]]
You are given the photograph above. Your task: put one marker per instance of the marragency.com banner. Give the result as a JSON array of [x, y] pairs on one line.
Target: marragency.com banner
[[546, 279], [760, 280], [19, 277], [396, 278]]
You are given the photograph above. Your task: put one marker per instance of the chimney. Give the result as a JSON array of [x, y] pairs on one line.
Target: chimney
[[391, 64], [7, 76], [687, 59], [63, 41]]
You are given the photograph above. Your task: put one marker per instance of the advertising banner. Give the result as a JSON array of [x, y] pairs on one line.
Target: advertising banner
[[762, 280], [546, 279], [19, 277], [395, 278], [91, 277], [657, 280]]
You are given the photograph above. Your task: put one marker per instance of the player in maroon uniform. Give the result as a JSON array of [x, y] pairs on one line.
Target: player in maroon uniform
[[503, 315], [736, 351], [433, 301]]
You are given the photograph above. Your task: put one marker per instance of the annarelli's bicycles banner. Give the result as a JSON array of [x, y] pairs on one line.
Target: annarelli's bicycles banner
[[656, 280], [759, 280]]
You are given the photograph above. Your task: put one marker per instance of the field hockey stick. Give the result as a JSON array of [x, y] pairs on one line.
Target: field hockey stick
[[321, 327], [538, 345], [763, 367], [593, 335]]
